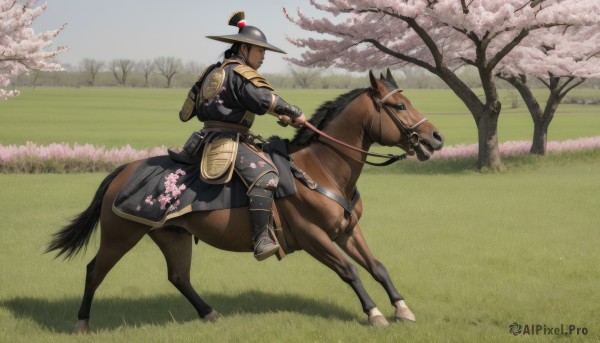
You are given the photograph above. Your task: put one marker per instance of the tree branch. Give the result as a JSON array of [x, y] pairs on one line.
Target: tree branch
[[400, 56], [563, 90], [465, 9], [493, 62], [412, 23]]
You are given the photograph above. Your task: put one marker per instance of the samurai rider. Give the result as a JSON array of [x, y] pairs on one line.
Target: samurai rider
[[226, 98]]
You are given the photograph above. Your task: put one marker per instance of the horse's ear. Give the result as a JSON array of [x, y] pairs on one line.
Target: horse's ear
[[390, 77], [376, 85], [372, 79], [381, 76]]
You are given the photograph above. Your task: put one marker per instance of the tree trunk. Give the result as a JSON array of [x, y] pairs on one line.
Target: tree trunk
[[542, 122], [485, 115], [540, 137], [487, 129], [487, 125]]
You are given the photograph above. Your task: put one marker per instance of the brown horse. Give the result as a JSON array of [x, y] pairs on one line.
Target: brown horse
[[309, 220]]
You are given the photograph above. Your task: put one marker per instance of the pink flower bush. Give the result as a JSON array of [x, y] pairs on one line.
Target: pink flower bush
[[518, 148], [62, 157]]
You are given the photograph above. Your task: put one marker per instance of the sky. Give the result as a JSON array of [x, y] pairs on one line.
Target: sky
[[146, 29]]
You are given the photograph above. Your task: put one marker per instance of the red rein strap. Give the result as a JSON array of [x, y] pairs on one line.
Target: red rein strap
[[392, 158]]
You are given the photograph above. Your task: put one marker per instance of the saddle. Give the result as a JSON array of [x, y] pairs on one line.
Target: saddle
[[168, 186]]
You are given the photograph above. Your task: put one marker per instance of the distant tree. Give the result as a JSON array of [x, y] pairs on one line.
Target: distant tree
[[168, 67], [21, 50], [120, 69], [303, 77], [146, 67], [194, 68], [92, 67], [326, 79], [561, 58]]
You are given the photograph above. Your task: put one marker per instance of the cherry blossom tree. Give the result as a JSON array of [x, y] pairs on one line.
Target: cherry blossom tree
[[21, 49], [562, 58], [439, 36]]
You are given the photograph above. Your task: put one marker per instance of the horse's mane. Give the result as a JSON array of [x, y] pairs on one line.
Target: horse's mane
[[324, 115]]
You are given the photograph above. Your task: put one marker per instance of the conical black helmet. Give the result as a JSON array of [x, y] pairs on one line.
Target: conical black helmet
[[247, 34]]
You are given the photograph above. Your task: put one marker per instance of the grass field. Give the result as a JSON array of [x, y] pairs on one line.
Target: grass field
[[471, 252], [147, 118]]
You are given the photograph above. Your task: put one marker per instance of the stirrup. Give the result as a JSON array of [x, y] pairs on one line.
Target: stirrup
[[264, 246]]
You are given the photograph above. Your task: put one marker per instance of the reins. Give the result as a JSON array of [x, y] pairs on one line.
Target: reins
[[391, 158], [408, 130]]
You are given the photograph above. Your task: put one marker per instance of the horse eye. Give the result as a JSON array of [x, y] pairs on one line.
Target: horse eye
[[400, 107]]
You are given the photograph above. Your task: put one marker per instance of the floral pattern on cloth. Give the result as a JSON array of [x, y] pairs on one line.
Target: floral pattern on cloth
[[217, 98], [169, 199]]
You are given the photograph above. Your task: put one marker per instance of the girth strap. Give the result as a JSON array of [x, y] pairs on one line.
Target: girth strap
[[308, 181]]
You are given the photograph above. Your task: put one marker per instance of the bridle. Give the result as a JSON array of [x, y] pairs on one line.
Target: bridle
[[408, 130]]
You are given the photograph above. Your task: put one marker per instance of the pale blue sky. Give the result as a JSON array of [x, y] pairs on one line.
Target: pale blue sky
[[145, 29]]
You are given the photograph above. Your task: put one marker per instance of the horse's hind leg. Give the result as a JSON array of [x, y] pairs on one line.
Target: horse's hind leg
[[356, 247], [176, 244], [115, 242]]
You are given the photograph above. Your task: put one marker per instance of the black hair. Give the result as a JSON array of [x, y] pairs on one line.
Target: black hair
[[233, 50]]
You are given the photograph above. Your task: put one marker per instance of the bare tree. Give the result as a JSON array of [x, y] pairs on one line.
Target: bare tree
[[92, 67], [120, 69], [326, 79], [168, 67], [146, 67], [303, 77], [194, 68]]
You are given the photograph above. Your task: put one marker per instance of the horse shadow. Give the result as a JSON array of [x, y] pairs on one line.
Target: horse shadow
[[59, 315]]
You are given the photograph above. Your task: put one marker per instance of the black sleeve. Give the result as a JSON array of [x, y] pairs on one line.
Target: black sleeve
[[255, 99], [282, 107]]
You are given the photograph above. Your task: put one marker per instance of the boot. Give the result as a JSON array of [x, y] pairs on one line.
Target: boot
[[260, 216]]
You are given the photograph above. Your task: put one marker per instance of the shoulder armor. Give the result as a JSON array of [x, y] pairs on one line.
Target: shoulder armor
[[212, 84], [252, 75], [193, 98]]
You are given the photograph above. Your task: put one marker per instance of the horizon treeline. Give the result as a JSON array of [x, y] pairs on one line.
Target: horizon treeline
[[171, 72]]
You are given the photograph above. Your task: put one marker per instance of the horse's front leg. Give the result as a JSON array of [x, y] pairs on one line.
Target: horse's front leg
[[320, 246], [354, 244]]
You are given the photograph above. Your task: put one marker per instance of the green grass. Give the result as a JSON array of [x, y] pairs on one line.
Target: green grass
[[115, 117], [147, 118], [471, 252]]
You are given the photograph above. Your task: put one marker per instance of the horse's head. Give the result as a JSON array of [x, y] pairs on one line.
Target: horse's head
[[397, 123]]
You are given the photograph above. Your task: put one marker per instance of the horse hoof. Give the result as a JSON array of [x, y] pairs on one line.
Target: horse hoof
[[378, 321], [81, 327], [403, 313], [212, 317]]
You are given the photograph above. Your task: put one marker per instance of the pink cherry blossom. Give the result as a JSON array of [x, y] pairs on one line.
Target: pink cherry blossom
[[60, 157], [163, 200], [21, 49]]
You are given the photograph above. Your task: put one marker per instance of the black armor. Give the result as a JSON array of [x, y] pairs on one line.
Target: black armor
[[228, 96]]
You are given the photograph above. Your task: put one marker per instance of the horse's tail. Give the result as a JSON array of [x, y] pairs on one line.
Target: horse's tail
[[75, 236]]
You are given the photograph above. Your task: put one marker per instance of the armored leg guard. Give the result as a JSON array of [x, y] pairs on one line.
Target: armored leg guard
[[261, 200]]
